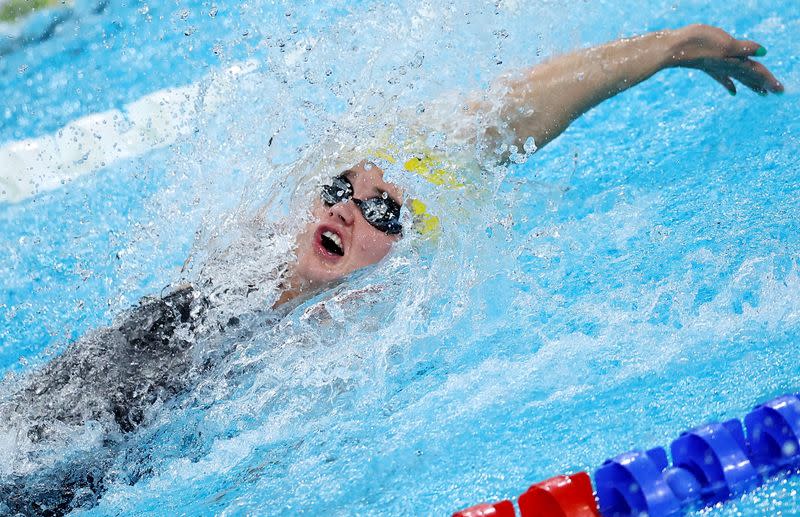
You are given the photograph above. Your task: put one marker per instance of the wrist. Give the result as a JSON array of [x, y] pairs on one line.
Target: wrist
[[674, 49], [690, 43], [659, 50]]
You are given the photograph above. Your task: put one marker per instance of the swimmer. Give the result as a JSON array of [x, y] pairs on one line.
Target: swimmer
[[538, 103], [114, 375]]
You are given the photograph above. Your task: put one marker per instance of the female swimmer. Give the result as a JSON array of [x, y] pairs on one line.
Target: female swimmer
[[113, 375]]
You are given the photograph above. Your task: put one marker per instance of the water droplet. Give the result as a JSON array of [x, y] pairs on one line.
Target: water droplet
[[502, 33], [530, 145], [213, 11]]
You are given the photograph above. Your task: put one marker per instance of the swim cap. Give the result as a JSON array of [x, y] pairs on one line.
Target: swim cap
[[431, 168]]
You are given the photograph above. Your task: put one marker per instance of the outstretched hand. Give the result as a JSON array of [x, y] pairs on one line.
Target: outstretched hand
[[565, 87], [724, 58]]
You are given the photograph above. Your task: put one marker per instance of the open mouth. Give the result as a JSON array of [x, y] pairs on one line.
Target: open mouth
[[332, 243]]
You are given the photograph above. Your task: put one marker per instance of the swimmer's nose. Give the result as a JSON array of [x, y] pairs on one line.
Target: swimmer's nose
[[346, 212]]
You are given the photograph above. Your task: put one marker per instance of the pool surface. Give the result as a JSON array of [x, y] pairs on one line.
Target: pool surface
[[637, 277]]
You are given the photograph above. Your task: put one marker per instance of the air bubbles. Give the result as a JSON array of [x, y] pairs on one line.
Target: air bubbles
[[500, 34], [416, 62], [309, 76], [213, 11], [436, 139]]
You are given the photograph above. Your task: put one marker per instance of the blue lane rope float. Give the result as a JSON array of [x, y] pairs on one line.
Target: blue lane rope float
[[711, 464]]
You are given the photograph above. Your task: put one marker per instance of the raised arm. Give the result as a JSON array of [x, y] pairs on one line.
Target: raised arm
[[542, 101]]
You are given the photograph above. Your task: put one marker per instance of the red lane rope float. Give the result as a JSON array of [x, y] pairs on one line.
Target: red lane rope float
[[560, 496], [711, 464]]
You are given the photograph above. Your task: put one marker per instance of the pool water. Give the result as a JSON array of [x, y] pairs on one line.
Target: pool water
[[637, 277]]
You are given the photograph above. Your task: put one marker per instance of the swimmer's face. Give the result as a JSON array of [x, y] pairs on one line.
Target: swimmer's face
[[339, 240]]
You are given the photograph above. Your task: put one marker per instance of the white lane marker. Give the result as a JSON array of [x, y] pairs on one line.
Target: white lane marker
[[95, 141]]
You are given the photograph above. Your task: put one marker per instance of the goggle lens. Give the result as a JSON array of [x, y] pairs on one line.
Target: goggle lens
[[381, 212]]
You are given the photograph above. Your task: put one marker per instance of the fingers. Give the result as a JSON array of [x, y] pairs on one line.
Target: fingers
[[747, 48], [725, 81], [755, 76], [725, 59], [771, 83]]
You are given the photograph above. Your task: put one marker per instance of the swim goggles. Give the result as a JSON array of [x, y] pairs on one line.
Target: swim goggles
[[382, 212]]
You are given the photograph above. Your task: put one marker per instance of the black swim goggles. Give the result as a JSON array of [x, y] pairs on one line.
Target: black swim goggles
[[382, 212]]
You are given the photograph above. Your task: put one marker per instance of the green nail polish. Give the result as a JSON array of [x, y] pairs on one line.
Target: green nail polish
[[761, 52]]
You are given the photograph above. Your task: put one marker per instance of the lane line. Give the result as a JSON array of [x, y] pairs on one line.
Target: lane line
[[94, 141]]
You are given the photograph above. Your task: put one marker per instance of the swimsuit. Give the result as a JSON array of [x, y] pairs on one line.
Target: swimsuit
[[111, 376]]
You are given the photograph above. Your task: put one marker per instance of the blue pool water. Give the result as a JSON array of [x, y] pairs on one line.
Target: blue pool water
[[635, 278]]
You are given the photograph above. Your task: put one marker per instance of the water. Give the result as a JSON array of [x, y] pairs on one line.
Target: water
[[636, 277]]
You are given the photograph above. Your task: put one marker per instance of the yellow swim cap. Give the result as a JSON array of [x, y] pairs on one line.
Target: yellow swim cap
[[433, 170]]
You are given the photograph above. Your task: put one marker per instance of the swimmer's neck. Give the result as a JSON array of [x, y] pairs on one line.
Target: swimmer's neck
[[294, 289], [287, 295]]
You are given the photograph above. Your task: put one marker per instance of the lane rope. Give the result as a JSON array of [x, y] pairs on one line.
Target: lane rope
[[94, 141], [711, 464]]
